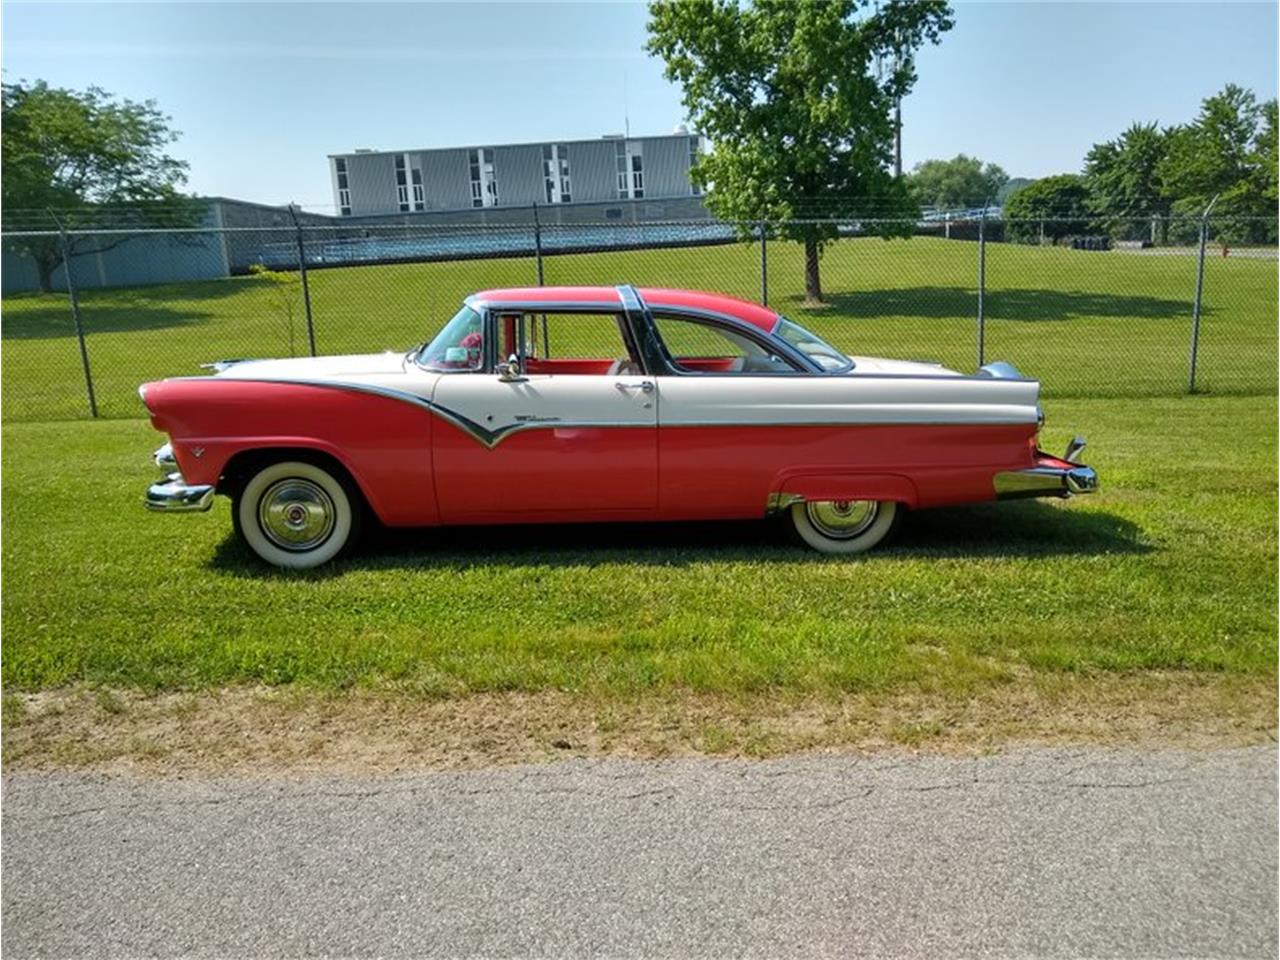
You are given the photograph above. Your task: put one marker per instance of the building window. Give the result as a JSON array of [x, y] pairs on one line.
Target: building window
[[693, 162], [419, 197], [563, 157], [630, 169], [344, 189], [402, 182], [484, 180], [620, 155], [555, 172]]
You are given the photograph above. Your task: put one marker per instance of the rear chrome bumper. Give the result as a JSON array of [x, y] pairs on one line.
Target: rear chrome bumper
[[1045, 482], [1050, 477], [175, 495]]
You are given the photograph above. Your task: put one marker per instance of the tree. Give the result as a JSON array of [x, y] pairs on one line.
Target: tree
[[787, 91], [1126, 180], [1052, 207], [1010, 187], [90, 157], [1228, 151], [962, 182]]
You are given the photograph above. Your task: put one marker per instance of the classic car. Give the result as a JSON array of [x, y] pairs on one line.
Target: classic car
[[570, 404]]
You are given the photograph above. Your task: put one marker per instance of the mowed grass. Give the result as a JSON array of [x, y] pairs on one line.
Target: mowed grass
[[1086, 324], [1172, 567]]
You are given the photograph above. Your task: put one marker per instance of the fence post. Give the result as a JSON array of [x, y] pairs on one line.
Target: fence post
[[1195, 309], [537, 242], [306, 287], [764, 265], [75, 315], [982, 287]]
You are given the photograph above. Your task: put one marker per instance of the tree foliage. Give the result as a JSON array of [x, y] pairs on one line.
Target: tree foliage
[[1228, 151], [85, 155], [1125, 177], [1052, 207], [960, 183], [800, 118]]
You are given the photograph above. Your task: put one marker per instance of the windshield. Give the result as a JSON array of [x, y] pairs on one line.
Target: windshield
[[459, 346], [813, 346]]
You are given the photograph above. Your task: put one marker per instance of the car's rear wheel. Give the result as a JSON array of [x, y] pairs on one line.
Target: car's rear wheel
[[296, 515], [843, 526]]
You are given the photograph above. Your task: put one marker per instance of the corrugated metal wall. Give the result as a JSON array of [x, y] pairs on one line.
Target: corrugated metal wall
[[519, 174], [136, 261], [372, 181], [446, 179], [666, 167]]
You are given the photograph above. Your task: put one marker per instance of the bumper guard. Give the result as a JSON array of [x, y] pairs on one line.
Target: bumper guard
[[1050, 477], [175, 495]]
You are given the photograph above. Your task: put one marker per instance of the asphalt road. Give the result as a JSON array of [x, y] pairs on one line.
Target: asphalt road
[[1050, 853]]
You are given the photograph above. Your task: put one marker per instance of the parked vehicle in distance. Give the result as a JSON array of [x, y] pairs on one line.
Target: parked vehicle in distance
[[571, 404]]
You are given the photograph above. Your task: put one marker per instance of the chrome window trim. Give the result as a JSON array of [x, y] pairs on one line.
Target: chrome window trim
[[750, 331]]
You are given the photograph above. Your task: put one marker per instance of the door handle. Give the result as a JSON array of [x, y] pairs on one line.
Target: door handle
[[645, 386]]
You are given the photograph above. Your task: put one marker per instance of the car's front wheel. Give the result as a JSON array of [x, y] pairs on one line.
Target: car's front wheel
[[843, 526], [296, 515]]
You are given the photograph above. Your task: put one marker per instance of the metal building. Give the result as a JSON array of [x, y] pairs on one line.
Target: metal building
[[613, 168]]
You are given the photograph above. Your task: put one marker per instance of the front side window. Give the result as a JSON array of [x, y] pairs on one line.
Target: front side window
[[570, 344], [699, 346], [813, 346], [459, 346]]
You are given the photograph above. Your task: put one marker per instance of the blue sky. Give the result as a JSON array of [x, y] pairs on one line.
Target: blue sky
[[263, 92]]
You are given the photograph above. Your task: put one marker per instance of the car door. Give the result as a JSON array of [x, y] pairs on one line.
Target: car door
[[572, 435], [727, 395]]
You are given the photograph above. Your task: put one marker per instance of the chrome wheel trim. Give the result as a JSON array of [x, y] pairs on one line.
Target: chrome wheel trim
[[842, 519], [296, 514]]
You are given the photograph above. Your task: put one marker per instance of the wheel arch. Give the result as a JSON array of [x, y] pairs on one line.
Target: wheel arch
[[242, 464], [797, 487]]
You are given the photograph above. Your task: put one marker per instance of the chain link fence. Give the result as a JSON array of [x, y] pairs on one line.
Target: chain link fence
[[1088, 316]]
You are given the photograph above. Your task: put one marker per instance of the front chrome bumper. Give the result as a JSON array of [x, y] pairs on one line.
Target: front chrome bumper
[[175, 495], [1050, 477]]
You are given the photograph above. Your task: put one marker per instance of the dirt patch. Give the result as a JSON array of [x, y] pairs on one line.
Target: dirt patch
[[260, 731]]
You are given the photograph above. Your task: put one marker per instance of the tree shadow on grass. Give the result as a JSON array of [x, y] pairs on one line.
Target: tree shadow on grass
[[945, 303], [1018, 529], [47, 316]]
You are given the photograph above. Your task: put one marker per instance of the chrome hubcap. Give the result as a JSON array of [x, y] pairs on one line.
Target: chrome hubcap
[[842, 519], [296, 514]]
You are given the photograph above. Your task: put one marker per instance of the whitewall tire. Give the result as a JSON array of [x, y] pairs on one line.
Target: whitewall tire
[[296, 515], [843, 526]]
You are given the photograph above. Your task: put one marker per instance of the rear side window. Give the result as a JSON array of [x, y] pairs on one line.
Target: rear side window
[[703, 346]]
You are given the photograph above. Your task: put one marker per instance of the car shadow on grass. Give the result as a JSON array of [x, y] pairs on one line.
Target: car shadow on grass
[[1013, 530]]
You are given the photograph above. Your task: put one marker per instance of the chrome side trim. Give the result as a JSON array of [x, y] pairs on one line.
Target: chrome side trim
[[176, 496], [780, 501], [1045, 482]]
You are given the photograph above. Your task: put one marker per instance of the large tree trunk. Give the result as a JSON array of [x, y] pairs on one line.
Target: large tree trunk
[[812, 281], [45, 265]]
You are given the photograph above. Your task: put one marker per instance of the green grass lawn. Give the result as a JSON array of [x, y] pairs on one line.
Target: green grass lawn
[[1171, 567], [1086, 324]]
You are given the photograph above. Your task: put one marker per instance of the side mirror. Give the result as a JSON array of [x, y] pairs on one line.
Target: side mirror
[[509, 370]]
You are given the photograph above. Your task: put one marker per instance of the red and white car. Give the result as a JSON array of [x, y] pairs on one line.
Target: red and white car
[[558, 404]]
